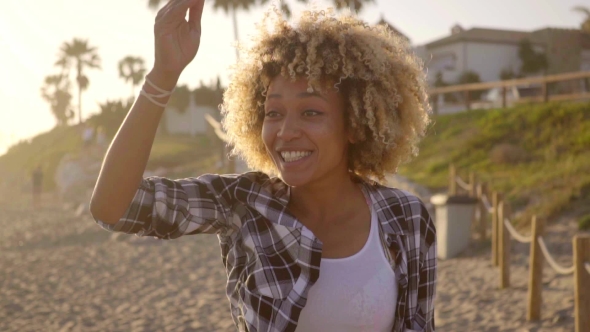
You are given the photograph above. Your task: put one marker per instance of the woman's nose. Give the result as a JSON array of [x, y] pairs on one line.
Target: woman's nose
[[289, 129]]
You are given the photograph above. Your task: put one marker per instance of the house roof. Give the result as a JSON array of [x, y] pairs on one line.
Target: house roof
[[485, 35], [570, 35], [382, 21], [500, 36]]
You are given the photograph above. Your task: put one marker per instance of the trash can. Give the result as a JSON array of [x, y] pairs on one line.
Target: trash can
[[453, 218]]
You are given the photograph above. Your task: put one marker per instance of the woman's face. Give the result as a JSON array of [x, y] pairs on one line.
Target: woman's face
[[304, 133]]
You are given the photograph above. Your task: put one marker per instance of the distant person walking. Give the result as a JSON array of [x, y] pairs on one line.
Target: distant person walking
[[87, 135], [37, 185]]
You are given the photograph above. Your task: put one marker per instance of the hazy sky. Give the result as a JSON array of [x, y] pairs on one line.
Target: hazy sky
[[31, 32]]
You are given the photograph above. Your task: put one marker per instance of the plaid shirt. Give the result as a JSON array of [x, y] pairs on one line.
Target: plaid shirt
[[271, 258]]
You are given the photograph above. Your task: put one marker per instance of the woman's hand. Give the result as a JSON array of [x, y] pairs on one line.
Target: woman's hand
[[176, 40]]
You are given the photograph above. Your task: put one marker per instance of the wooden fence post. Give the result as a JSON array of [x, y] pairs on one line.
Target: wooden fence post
[[581, 245], [467, 96], [504, 97], [504, 252], [495, 201], [535, 271], [472, 184], [483, 212], [452, 180], [545, 92], [435, 104]]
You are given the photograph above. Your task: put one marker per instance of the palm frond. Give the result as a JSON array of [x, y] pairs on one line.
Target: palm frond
[[581, 9], [154, 4]]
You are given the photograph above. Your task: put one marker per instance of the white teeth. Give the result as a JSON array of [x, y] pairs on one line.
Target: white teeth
[[290, 156]]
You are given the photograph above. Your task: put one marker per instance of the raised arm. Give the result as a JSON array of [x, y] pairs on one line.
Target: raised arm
[[176, 44]]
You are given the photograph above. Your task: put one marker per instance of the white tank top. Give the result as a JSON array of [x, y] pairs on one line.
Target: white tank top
[[355, 293]]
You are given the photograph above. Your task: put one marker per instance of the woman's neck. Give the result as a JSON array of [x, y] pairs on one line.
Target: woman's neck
[[326, 200]]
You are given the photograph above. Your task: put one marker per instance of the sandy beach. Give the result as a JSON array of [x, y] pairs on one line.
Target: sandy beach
[[61, 272]]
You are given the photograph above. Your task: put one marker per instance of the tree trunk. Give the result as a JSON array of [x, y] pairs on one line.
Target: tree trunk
[[231, 163], [79, 79], [236, 37]]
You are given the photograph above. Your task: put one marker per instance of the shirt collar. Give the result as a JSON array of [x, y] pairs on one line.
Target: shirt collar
[[272, 196], [386, 203]]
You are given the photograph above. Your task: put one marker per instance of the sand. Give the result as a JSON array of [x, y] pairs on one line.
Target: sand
[[61, 272]]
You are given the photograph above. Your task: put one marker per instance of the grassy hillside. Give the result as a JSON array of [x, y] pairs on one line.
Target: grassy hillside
[[45, 149], [186, 156], [538, 156]]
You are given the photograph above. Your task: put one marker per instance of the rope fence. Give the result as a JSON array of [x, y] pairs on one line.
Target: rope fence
[[502, 231], [558, 268], [517, 236], [463, 184], [488, 206]]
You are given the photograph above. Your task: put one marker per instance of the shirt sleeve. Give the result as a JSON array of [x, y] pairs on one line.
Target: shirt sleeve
[[427, 282], [168, 209]]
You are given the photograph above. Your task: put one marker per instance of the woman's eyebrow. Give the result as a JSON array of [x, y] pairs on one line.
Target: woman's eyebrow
[[300, 95]]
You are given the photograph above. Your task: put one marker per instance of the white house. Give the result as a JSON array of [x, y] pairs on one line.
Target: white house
[[489, 51], [191, 121], [485, 51]]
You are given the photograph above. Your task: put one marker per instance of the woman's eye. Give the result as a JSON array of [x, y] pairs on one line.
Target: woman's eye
[[311, 113], [271, 114]]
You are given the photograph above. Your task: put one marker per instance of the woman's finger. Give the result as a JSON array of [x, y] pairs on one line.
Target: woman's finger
[[195, 14], [182, 6], [165, 9], [173, 9]]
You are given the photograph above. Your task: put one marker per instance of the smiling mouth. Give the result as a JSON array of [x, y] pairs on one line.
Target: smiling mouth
[[292, 156]]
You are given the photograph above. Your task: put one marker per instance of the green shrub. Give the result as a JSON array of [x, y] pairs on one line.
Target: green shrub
[[584, 223]]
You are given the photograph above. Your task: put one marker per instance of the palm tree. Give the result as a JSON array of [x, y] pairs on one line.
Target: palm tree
[[209, 95], [180, 99], [585, 26], [112, 114], [82, 56], [56, 92], [357, 5], [227, 6], [132, 69], [232, 6]]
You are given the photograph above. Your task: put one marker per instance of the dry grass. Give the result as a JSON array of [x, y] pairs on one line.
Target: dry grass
[[538, 156]]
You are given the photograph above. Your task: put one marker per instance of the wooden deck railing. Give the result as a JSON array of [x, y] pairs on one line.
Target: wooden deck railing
[[225, 157], [544, 96]]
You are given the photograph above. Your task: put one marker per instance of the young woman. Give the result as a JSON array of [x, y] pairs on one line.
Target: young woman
[[308, 241]]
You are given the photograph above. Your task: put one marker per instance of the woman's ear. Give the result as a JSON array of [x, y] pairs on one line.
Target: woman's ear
[[351, 137]]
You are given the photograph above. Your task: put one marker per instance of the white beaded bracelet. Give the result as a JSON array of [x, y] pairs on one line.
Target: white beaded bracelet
[[151, 96]]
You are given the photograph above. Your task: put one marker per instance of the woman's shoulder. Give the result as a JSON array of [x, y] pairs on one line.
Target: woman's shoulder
[[394, 195], [253, 176], [405, 211], [250, 181]]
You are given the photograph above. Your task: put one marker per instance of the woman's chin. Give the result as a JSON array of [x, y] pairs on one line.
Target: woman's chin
[[295, 179]]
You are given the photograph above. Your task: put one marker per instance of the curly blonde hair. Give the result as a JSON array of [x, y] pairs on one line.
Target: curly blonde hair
[[382, 82]]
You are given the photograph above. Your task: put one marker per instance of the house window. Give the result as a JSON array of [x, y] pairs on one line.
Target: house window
[[444, 61]]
